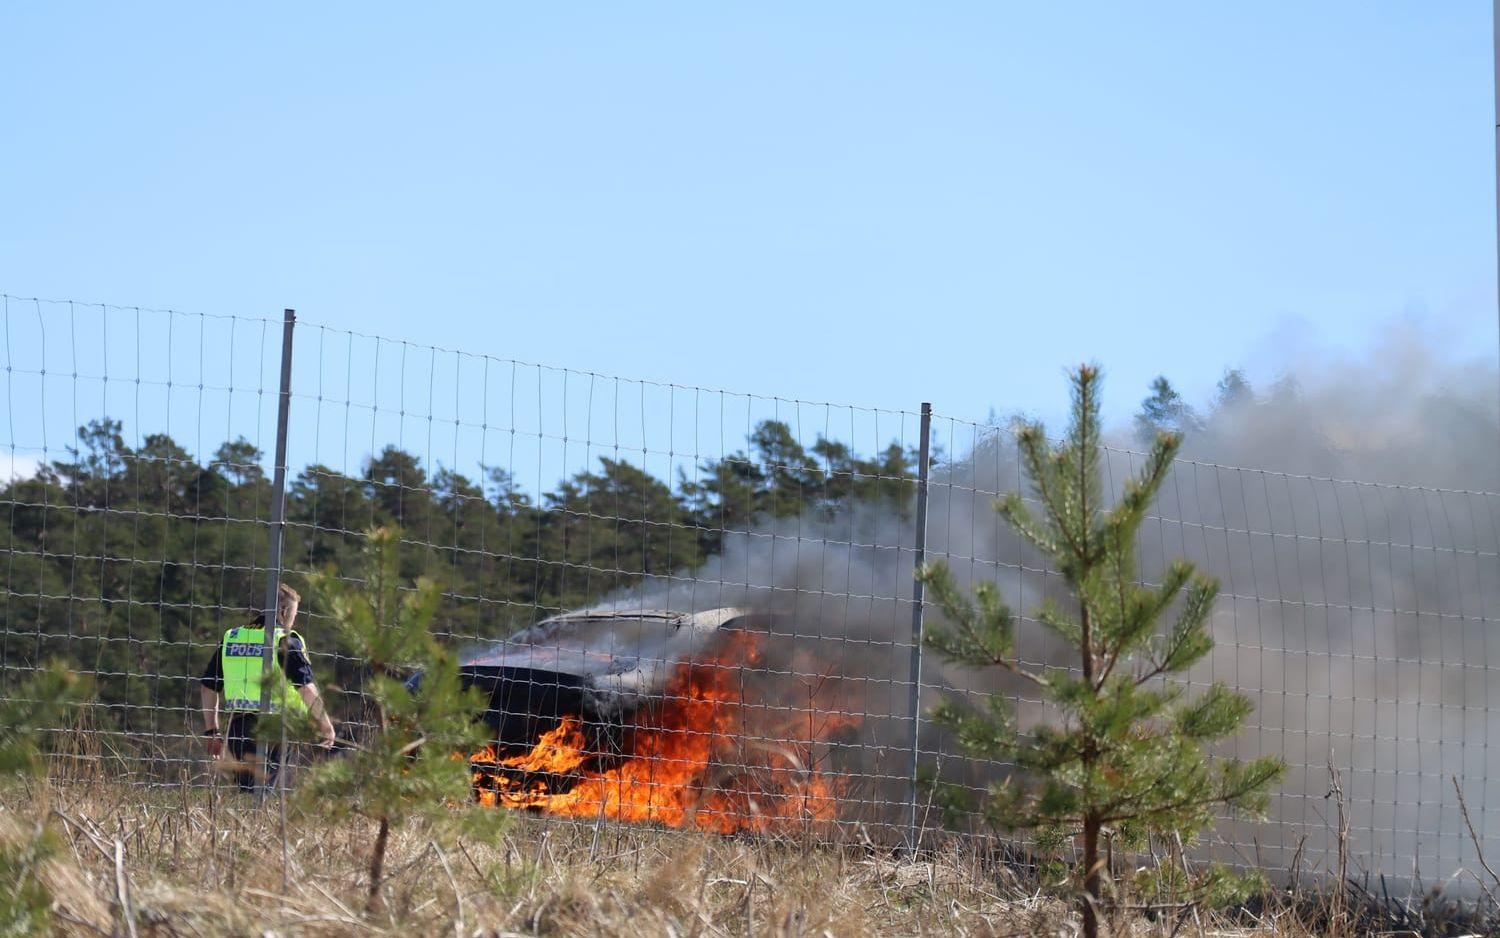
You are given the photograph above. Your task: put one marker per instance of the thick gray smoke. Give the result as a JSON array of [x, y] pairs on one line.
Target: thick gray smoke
[[1340, 507]]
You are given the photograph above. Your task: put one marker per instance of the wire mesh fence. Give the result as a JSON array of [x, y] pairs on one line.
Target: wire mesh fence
[[692, 607]]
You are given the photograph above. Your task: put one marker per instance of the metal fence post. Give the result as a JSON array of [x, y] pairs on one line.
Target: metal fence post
[[917, 591], [278, 510], [273, 578], [278, 523]]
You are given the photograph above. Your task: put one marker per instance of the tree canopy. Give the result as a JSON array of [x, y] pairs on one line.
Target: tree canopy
[[130, 562]]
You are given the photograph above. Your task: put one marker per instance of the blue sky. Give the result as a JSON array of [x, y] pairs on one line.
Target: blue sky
[[865, 202]]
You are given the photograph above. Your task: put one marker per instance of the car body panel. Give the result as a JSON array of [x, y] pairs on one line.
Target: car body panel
[[599, 665]]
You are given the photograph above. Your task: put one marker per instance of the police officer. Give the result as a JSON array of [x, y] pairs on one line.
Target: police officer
[[235, 673]]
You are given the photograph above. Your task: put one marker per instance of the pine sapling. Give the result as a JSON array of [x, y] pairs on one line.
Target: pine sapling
[[1122, 750], [414, 765]]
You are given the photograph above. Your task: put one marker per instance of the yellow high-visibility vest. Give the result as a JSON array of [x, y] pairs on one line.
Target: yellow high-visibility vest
[[242, 655]]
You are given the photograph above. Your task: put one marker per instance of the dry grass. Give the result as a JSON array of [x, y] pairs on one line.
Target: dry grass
[[209, 862]]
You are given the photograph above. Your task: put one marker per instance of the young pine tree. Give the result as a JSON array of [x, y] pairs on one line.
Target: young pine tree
[[29, 710], [413, 768], [1125, 751]]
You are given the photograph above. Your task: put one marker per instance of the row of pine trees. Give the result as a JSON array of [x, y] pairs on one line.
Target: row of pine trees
[[129, 562]]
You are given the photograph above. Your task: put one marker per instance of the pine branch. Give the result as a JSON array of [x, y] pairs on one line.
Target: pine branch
[[983, 636], [1257, 776], [1013, 509], [1050, 614], [1032, 439], [1189, 641]]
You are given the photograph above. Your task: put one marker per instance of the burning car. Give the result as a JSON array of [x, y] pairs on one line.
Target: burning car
[[598, 667], [660, 717]]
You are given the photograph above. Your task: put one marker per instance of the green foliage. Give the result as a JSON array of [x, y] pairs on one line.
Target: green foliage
[[1125, 754], [1171, 883], [130, 562], [610, 528], [779, 478], [25, 900], [36, 705], [1165, 409], [385, 626], [1233, 390], [415, 765]]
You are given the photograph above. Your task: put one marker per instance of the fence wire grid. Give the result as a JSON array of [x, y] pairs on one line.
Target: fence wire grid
[[776, 537]]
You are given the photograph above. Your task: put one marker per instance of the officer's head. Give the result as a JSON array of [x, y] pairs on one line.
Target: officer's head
[[287, 602]]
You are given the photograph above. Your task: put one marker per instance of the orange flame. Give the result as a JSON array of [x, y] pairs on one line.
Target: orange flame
[[703, 758]]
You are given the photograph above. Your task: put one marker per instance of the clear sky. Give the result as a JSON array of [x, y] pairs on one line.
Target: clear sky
[[866, 202]]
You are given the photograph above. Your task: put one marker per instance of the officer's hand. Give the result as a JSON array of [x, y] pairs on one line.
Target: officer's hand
[[215, 745], [325, 734]]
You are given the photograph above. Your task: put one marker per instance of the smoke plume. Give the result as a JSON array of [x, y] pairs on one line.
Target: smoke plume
[[1340, 505]]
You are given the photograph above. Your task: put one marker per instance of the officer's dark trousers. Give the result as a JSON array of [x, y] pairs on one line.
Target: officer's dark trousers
[[240, 735]]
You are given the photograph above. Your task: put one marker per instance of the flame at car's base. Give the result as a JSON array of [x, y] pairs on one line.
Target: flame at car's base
[[702, 758]]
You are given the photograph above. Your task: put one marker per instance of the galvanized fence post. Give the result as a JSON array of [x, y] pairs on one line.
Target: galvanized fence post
[[919, 557], [273, 578], [278, 510]]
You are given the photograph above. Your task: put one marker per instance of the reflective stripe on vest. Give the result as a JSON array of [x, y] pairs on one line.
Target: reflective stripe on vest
[[242, 656]]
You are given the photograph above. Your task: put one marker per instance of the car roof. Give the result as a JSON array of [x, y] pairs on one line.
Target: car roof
[[707, 617]]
